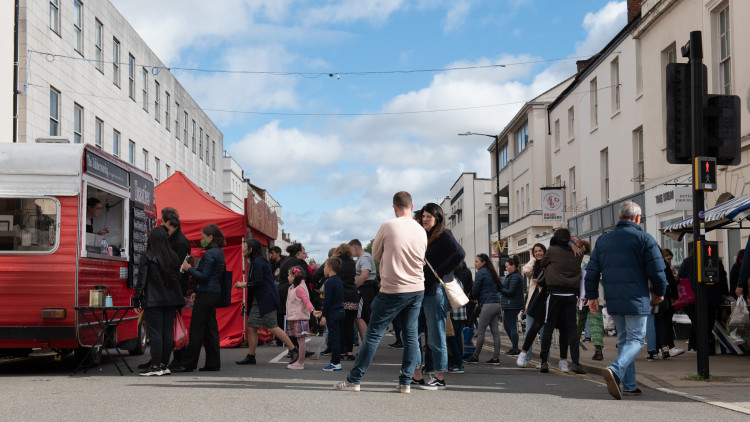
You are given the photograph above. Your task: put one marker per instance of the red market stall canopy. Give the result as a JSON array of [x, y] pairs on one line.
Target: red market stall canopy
[[197, 209]]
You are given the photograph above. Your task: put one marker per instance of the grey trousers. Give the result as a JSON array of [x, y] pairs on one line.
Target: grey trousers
[[489, 316]]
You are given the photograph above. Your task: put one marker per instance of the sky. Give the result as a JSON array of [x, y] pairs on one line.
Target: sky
[[335, 105]]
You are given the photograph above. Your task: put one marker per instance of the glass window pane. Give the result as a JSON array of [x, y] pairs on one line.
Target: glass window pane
[[28, 225]]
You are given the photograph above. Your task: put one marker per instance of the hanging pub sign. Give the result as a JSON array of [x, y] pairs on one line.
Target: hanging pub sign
[[553, 204], [260, 217]]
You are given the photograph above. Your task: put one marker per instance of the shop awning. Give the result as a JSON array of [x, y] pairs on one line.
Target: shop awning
[[732, 211]]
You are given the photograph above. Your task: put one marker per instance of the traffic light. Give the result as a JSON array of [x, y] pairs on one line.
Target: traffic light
[[721, 124], [705, 174], [679, 142], [708, 261]]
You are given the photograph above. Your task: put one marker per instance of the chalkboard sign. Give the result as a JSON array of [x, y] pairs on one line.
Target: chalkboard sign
[[140, 226]]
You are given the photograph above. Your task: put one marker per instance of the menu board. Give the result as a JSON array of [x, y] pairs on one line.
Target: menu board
[[140, 227]]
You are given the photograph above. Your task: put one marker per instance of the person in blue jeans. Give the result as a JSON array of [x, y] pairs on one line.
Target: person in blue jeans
[[626, 258], [399, 246], [511, 300], [333, 311]]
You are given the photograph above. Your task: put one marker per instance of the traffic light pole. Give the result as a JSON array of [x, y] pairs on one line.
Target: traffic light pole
[[697, 98]]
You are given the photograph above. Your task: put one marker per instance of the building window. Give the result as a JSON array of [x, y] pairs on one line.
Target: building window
[[557, 134], [131, 77], [185, 129], [168, 171], [528, 198], [78, 25], [605, 174], [725, 53], [557, 181], [77, 124], [638, 68], [54, 112], [213, 155], [640, 176], [131, 152], [98, 132], [615, 69], [503, 157], [157, 167], [166, 110], [518, 204], [116, 62], [115, 143], [177, 120], [200, 145], [145, 160], [522, 138], [144, 82], [193, 138], [571, 123], [572, 182], [98, 39], [207, 148], [54, 16], [594, 96], [157, 110]]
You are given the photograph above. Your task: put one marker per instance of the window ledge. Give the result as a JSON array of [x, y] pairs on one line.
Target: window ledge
[[615, 114], [639, 96], [594, 129], [571, 139]]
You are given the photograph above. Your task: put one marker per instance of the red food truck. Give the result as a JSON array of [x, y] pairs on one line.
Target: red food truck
[[57, 245]]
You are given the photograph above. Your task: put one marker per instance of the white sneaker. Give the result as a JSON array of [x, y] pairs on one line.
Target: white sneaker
[[346, 386], [675, 351], [564, 366], [522, 361], [538, 366], [404, 389]]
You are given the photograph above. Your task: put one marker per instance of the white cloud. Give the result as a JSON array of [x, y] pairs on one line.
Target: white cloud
[[348, 12], [456, 15], [602, 26]]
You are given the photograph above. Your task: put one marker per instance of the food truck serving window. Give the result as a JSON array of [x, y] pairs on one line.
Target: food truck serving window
[[29, 225], [104, 213]]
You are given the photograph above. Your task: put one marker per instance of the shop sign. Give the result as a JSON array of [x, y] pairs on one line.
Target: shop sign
[[105, 169], [553, 204], [260, 217]]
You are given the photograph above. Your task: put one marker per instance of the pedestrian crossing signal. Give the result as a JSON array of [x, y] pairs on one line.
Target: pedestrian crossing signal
[[708, 261], [705, 174]]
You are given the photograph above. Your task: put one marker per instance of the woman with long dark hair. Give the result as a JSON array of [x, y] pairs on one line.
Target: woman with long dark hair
[[485, 290], [263, 300], [511, 300], [158, 292], [204, 329], [347, 274], [443, 256], [532, 270]]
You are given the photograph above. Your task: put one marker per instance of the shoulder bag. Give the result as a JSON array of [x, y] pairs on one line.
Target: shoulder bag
[[453, 290]]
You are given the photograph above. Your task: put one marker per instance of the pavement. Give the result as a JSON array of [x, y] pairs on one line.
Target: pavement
[[730, 374]]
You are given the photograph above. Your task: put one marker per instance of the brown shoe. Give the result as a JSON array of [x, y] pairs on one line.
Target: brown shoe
[[613, 383]]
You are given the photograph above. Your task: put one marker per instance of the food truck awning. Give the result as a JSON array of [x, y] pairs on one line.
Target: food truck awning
[[732, 211], [24, 167]]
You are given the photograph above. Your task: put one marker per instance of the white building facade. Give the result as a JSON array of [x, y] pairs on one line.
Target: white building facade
[[468, 214], [87, 76], [235, 188]]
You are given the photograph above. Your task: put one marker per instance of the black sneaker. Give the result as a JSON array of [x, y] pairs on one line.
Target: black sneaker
[[151, 371], [613, 383], [636, 392], [396, 345], [326, 352], [145, 365], [308, 354], [598, 355], [438, 384], [493, 361], [577, 369], [512, 352], [422, 385], [471, 359], [544, 367]]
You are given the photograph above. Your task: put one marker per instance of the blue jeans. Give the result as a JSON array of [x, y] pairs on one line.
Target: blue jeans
[[334, 322], [384, 309], [510, 323], [456, 343], [651, 333], [435, 308], [631, 331]]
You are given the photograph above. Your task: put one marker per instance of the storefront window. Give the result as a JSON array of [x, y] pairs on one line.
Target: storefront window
[[104, 214], [677, 247], [28, 224]]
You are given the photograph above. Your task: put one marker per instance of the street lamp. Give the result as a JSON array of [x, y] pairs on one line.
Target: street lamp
[[497, 181]]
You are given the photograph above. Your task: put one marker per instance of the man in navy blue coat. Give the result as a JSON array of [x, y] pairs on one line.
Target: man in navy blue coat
[[627, 258]]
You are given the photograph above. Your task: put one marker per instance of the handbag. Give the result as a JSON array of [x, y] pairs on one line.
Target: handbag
[[686, 294], [453, 290], [449, 331], [226, 290], [179, 333]]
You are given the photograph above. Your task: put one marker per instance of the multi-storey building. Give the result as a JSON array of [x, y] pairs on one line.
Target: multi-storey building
[[86, 75], [664, 28], [520, 164], [235, 187], [468, 213]]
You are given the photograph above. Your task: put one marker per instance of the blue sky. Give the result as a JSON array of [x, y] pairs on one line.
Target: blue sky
[[333, 150]]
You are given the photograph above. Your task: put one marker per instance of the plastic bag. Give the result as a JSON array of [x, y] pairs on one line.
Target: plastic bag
[[179, 333], [740, 316]]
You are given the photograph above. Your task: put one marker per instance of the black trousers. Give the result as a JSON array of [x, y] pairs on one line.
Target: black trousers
[[347, 331], [160, 327], [561, 309], [204, 330]]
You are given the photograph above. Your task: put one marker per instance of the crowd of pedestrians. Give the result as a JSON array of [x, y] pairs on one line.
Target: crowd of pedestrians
[[352, 301]]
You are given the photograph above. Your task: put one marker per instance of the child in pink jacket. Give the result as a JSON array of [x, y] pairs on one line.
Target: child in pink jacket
[[298, 308]]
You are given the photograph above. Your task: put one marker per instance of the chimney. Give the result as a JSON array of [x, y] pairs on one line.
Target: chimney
[[634, 9], [581, 64]]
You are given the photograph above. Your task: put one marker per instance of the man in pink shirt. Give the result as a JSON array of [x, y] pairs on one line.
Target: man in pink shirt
[[399, 246]]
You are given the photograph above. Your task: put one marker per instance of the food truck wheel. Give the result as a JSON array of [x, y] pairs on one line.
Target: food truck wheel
[[141, 342], [96, 355]]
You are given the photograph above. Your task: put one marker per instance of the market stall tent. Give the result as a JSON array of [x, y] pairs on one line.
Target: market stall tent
[[197, 209], [726, 215]]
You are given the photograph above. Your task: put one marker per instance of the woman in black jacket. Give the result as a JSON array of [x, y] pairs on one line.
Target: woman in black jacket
[[347, 274], [443, 255], [204, 329], [511, 300], [158, 292]]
